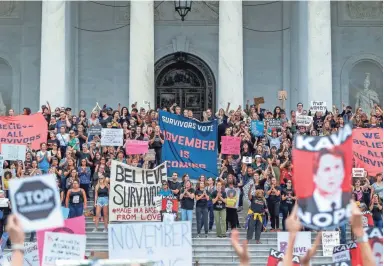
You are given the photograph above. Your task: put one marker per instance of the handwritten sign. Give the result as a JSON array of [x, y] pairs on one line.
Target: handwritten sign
[[136, 146], [30, 258], [112, 137], [230, 145], [302, 243], [133, 192], [274, 123], [304, 120], [59, 246], [94, 130], [247, 160], [13, 152], [318, 106], [162, 243], [71, 226], [358, 172], [282, 95], [258, 100], [330, 240], [150, 155]]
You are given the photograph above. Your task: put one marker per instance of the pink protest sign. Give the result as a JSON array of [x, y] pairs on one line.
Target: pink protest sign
[[230, 145], [71, 226], [136, 147]]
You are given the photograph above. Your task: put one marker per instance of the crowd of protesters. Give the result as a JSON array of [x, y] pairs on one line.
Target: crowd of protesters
[[262, 191]]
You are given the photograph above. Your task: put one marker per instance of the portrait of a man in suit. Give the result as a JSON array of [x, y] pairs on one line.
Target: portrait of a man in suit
[[328, 177]]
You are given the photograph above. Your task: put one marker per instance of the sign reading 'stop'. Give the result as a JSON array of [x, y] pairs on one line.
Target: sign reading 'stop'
[[36, 202]]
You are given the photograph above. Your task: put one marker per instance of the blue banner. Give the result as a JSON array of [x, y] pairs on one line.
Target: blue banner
[[190, 147], [257, 128]]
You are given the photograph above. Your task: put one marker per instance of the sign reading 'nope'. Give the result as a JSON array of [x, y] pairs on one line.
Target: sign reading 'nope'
[[36, 202]]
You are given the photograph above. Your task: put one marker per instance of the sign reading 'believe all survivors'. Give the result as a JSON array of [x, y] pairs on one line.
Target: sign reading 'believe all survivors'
[[23, 129], [133, 191], [190, 146]]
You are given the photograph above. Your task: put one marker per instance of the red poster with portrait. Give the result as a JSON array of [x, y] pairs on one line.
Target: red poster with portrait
[[375, 236], [323, 167], [169, 205]]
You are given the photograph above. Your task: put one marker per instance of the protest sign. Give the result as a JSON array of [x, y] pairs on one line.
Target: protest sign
[[71, 226], [3, 240], [4, 203], [133, 191], [150, 155], [94, 130], [282, 95], [65, 212], [136, 146], [274, 123], [329, 240], [342, 263], [161, 243], [190, 147], [247, 160], [13, 152], [61, 246], [112, 137], [23, 129], [318, 106], [1, 164], [347, 252], [30, 257], [275, 258], [257, 128], [358, 172], [368, 149], [375, 236], [169, 208], [328, 168], [230, 145], [304, 120], [36, 202], [258, 100], [302, 242]]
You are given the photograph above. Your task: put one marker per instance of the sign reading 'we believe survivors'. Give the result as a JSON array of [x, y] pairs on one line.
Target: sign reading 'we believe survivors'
[[190, 147], [368, 149], [133, 191], [23, 129]]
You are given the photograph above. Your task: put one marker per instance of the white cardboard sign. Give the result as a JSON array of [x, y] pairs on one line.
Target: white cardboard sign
[[61, 246], [112, 137], [36, 202], [162, 243], [13, 152], [318, 106], [247, 160], [31, 255], [358, 172], [330, 239], [304, 120], [302, 243]]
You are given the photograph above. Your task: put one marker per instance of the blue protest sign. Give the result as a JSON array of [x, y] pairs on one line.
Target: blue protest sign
[[65, 212], [257, 128], [3, 240], [190, 147]]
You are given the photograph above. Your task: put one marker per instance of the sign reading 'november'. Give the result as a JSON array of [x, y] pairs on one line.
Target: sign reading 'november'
[[133, 191]]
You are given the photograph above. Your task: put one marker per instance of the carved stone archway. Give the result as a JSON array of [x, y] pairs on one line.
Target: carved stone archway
[[186, 80]]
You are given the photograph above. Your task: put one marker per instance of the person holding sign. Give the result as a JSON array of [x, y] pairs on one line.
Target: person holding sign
[[76, 200]]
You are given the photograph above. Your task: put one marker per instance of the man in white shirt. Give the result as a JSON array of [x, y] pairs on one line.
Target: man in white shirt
[[63, 138], [299, 110]]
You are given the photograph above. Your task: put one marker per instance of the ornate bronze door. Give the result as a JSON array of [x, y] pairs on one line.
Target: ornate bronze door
[[186, 80]]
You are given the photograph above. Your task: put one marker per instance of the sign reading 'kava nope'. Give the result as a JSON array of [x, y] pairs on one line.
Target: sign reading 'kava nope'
[[36, 202]]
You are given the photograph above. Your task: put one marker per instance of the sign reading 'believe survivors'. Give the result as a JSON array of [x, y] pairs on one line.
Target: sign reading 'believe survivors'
[[133, 191]]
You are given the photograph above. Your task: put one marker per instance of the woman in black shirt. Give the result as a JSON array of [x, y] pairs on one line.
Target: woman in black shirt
[[376, 208], [273, 192], [187, 198], [287, 201], [256, 212], [202, 208], [156, 142]]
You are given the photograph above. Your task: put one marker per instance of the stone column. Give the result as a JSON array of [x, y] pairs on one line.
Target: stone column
[[55, 82], [141, 55], [231, 83], [319, 52]]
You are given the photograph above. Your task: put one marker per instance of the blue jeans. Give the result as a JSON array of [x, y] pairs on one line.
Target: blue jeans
[[75, 210], [186, 215], [378, 223]]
